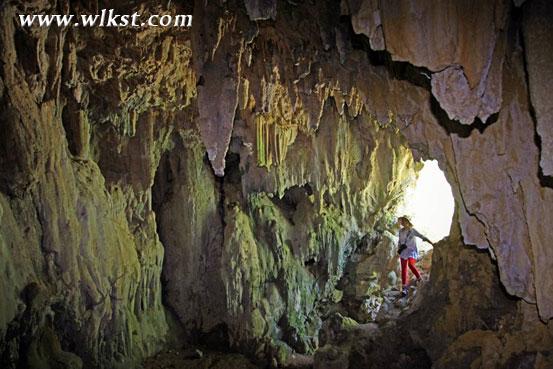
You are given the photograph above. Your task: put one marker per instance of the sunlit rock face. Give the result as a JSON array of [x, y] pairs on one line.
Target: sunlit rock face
[[232, 168], [461, 43]]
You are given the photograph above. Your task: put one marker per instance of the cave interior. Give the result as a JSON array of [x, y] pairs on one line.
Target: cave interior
[[226, 195]]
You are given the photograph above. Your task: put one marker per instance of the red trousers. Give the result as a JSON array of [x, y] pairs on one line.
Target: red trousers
[[404, 263]]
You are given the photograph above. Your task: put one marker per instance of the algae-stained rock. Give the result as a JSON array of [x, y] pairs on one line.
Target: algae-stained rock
[[73, 222], [186, 199], [110, 137]]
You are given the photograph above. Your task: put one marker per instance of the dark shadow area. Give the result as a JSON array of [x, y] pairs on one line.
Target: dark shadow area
[[26, 49], [454, 127], [232, 169], [515, 33], [217, 338], [545, 181], [162, 192], [404, 71], [292, 197], [406, 353], [171, 175]]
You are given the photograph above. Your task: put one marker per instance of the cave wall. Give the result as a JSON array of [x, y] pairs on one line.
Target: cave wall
[[465, 320], [240, 161], [80, 146], [257, 264]]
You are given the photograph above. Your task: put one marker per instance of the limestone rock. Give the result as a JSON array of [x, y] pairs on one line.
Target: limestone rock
[[186, 200], [261, 9], [469, 322], [538, 32], [460, 42], [233, 168], [366, 19]]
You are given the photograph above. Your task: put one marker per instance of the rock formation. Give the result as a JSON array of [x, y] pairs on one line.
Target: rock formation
[[218, 180]]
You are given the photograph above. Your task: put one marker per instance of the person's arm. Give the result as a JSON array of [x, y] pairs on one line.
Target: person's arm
[[422, 237]]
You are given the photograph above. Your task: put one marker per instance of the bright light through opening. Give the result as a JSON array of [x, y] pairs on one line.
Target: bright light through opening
[[429, 203]]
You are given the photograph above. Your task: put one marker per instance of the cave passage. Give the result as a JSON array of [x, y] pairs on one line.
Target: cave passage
[[429, 204], [225, 196]]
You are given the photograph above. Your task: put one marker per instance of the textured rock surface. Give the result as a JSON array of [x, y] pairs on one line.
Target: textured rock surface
[[470, 323], [187, 203], [261, 9], [78, 155], [460, 42], [241, 162], [538, 31]]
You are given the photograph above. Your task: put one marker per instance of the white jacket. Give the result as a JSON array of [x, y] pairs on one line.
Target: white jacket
[[408, 237]]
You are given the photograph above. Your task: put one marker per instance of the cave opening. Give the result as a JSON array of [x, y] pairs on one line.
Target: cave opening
[[372, 283], [429, 203]]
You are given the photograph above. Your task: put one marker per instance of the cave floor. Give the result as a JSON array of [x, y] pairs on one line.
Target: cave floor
[[175, 359], [392, 308], [394, 305]]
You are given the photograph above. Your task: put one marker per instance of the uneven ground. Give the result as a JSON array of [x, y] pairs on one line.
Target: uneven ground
[[234, 183]]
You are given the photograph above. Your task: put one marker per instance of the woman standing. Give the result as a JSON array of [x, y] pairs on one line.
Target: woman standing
[[408, 252]]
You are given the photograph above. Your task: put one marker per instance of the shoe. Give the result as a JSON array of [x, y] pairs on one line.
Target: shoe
[[405, 292]]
